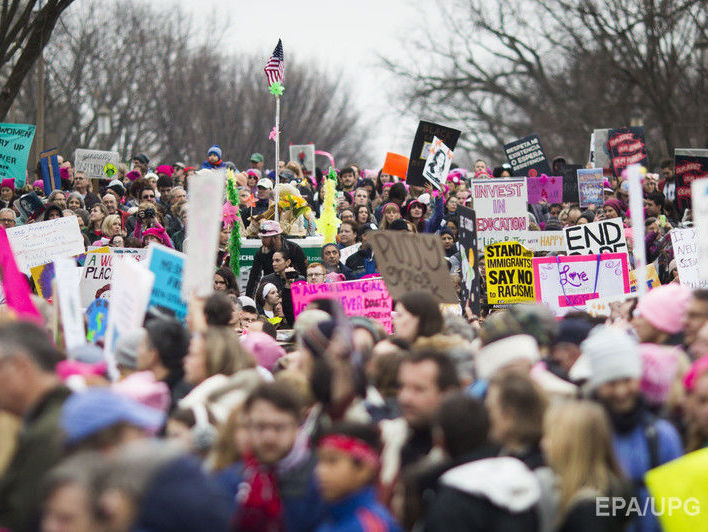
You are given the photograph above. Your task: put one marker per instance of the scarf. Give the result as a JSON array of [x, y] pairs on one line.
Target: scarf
[[260, 507]]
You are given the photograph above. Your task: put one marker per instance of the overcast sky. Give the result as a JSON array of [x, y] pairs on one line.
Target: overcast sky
[[341, 35]]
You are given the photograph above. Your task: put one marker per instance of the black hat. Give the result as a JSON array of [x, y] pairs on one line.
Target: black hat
[[142, 158], [164, 181], [365, 228]]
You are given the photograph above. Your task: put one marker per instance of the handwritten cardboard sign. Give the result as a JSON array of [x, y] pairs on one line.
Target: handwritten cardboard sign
[[686, 256], [420, 150], [365, 297], [509, 273], [590, 185], [437, 165], [167, 265], [500, 205], [565, 284], [545, 188], [410, 262], [689, 165], [699, 190], [526, 157], [467, 239], [15, 144], [97, 164], [39, 243], [605, 236]]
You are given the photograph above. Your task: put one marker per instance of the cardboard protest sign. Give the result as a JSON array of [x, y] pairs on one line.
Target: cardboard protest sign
[[202, 239], [97, 320], [544, 188], [167, 265], [526, 157], [605, 236], [678, 491], [500, 205], [437, 165], [509, 274], [421, 148], [467, 240], [41, 242], [565, 284], [543, 240], [305, 155], [396, 165], [15, 145], [689, 165], [652, 278], [96, 277], [699, 189], [626, 146], [364, 297], [686, 256], [590, 185], [14, 285], [49, 165], [97, 164], [67, 276], [410, 262]]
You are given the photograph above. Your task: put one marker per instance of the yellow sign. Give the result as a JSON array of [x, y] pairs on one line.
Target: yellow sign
[[652, 278], [509, 273]]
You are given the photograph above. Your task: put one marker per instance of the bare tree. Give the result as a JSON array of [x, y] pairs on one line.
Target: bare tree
[[562, 68]]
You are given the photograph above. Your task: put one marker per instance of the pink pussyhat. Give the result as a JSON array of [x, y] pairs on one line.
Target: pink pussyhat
[[664, 307], [143, 388], [659, 364]]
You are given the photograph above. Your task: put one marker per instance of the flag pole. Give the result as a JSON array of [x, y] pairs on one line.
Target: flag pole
[[277, 153]]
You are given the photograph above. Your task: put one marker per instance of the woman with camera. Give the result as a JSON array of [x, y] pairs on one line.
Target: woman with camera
[[283, 276], [148, 227]]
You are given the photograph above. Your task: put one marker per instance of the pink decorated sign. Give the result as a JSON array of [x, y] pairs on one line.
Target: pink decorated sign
[[14, 284], [567, 283], [365, 297], [545, 188]]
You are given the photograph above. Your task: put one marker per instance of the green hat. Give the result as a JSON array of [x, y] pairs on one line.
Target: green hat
[[256, 158]]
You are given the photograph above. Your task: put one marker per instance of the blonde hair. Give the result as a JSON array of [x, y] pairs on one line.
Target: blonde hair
[[108, 222], [224, 354], [389, 206], [296, 169], [578, 446]]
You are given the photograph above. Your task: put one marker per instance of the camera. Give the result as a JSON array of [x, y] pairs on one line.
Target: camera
[[147, 213]]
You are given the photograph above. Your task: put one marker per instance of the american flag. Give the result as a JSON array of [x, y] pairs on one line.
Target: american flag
[[275, 67]]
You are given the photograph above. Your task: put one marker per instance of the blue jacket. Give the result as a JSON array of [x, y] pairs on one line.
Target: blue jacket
[[298, 489], [359, 512], [208, 165], [633, 452]]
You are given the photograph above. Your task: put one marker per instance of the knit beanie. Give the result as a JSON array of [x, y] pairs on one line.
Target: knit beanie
[[665, 306], [214, 150], [612, 354], [494, 356], [615, 204], [553, 224], [317, 338], [659, 365], [263, 348]]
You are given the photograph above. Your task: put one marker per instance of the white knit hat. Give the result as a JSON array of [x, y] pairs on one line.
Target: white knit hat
[[494, 356], [612, 355]]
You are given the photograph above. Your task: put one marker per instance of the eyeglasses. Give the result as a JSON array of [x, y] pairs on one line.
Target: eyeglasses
[[315, 275], [148, 196], [6, 220]]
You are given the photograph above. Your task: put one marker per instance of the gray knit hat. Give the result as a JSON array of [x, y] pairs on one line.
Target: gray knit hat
[[612, 354], [127, 348]]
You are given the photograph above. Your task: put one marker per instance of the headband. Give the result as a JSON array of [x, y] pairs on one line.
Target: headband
[[268, 288], [355, 447]]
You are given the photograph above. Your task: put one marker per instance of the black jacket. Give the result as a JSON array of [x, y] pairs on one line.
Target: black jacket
[[263, 264], [285, 294]]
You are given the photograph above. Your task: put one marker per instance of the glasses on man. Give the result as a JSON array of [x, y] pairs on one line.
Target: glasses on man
[[7, 221], [315, 275]]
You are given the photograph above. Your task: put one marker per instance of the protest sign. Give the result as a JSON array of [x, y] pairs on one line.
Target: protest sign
[[67, 277], [545, 188], [571, 193], [97, 164], [139, 254], [49, 165], [467, 240], [364, 297], [305, 155], [421, 148], [636, 207], [590, 185], [699, 190], [96, 277], [542, 240], [609, 307], [14, 285], [44, 274], [15, 144], [97, 320], [348, 251], [686, 256], [601, 157], [39, 243], [129, 296], [526, 157], [626, 146], [409, 261], [605, 236], [680, 487], [509, 274], [689, 165], [202, 240], [652, 278], [29, 206], [437, 165], [565, 284], [500, 205], [396, 165], [167, 266]]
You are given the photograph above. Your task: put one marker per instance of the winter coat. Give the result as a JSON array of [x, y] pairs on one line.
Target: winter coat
[[358, 512], [263, 264], [362, 263]]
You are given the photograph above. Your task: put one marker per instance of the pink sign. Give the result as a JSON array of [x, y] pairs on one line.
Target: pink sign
[[545, 188], [365, 297], [17, 292]]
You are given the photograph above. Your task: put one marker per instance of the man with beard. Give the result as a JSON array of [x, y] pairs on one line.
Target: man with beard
[[331, 260], [641, 440], [272, 239], [274, 484]]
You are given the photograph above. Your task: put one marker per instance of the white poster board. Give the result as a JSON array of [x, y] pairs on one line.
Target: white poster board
[[95, 281], [699, 193], [500, 205], [41, 242], [605, 236], [304, 154], [97, 164], [67, 276], [686, 256]]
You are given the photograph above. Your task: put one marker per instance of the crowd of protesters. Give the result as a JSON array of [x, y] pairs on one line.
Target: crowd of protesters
[[509, 420]]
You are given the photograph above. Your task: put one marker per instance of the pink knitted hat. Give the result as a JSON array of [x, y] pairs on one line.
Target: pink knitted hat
[[665, 307], [264, 348], [659, 365]]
